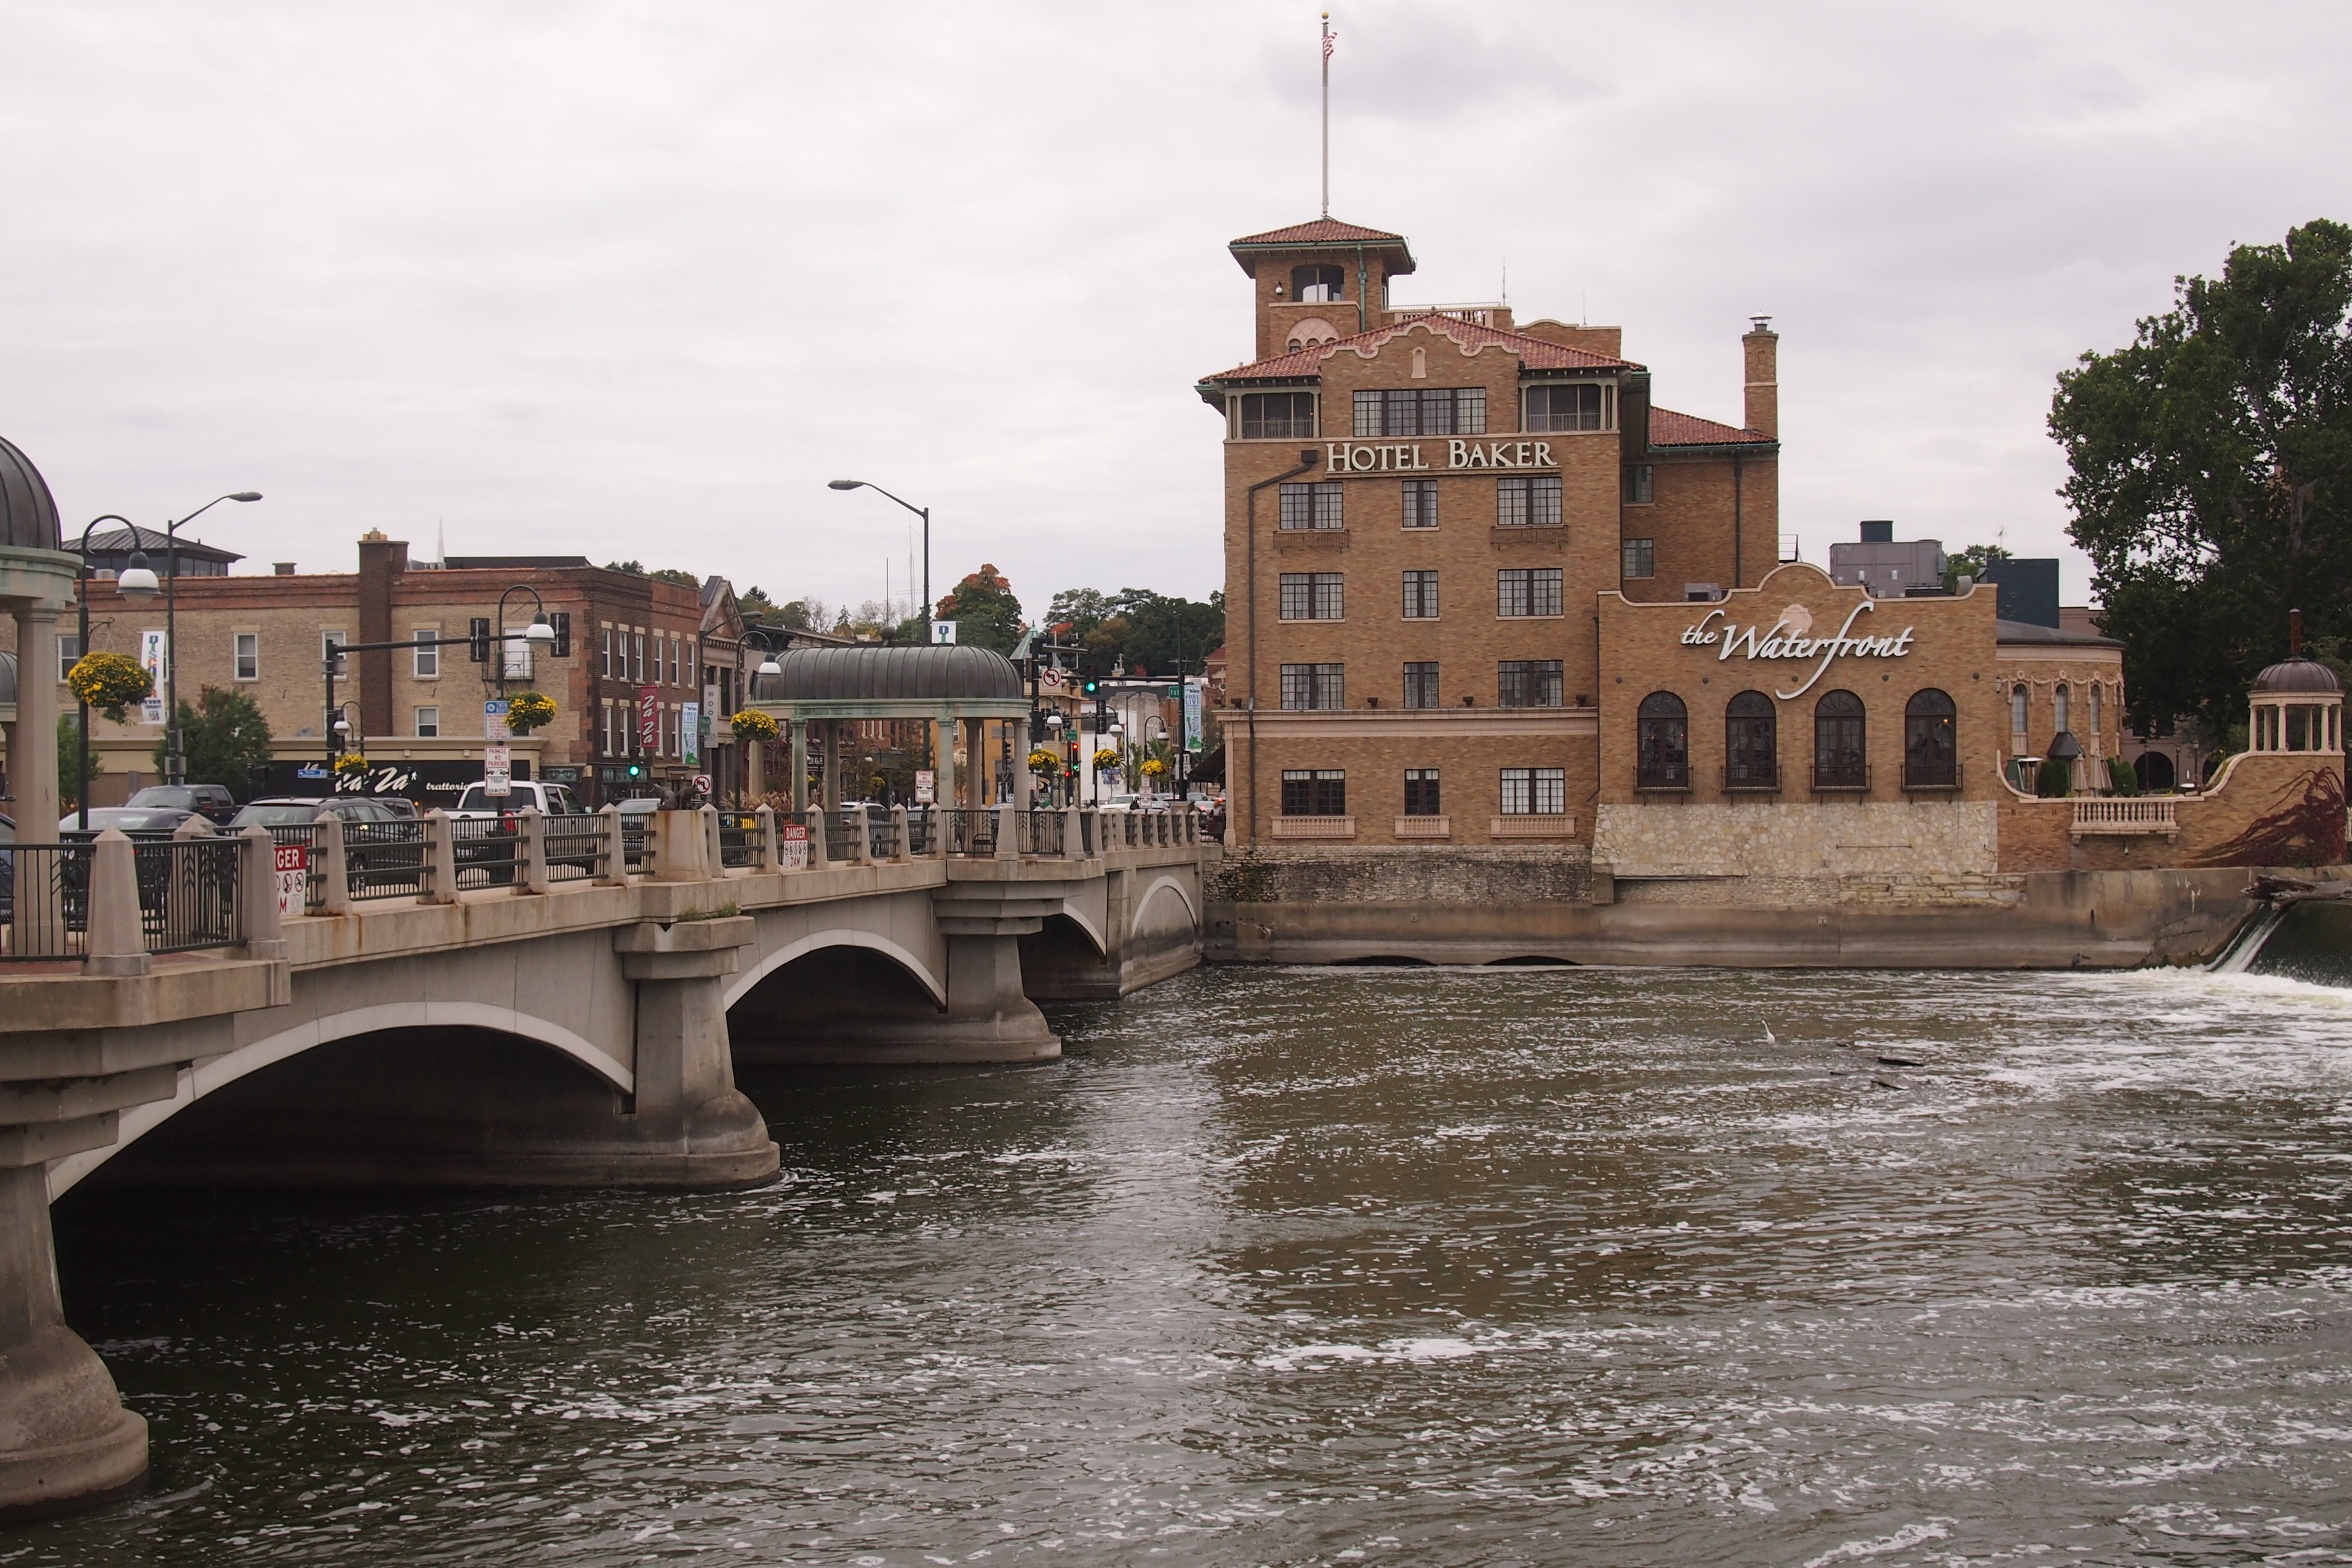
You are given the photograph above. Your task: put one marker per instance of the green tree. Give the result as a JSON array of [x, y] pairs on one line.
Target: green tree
[[227, 736], [754, 603], [68, 764], [2211, 474], [672, 574], [1970, 561], [633, 568], [985, 612], [1139, 629]]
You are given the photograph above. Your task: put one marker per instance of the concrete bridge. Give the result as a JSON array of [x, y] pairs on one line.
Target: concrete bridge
[[543, 1004]]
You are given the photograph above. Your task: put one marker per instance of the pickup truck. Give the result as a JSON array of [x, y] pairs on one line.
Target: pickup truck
[[491, 846]]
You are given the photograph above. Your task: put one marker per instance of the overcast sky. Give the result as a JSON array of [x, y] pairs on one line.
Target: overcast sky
[[637, 279]]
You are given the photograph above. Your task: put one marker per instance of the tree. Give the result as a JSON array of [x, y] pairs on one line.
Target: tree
[[754, 603], [633, 568], [672, 574], [984, 610], [1970, 561], [68, 765], [2211, 474], [228, 736], [1139, 629]]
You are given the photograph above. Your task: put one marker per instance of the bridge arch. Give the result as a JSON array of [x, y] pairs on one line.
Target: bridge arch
[[1169, 880], [208, 1078], [747, 978]]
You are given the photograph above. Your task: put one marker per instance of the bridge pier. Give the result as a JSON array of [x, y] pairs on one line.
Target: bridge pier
[[698, 1130]]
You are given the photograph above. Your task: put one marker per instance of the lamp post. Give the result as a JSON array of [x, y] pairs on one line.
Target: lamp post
[[81, 647], [174, 758], [767, 638], [922, 512], [541, 629], [339, 724]]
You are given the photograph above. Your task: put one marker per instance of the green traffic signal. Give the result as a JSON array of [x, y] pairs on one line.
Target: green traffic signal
[[1093, 686]]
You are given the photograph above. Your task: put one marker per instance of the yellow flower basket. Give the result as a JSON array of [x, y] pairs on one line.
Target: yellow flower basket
[[751, 725], [351, 765], [1042, 761], [1154, 767], [1106, 759], [111, 682], [529, 711]]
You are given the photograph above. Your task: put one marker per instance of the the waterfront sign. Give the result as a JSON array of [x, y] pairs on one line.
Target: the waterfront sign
[[1787, 638], [1408, 457]]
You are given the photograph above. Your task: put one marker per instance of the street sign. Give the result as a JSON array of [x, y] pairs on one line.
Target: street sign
[[494, 721], [702, 783], [927, 786], [498, 775], [649, 719], [943, 632], [1050, 678], [791, 846], [293, 878]]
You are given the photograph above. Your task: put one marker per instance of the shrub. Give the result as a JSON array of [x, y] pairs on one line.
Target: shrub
[[2055, 779], [2122, 777]]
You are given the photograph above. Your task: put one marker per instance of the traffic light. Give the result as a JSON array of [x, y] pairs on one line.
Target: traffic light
[[1093, 687], [636, 770]]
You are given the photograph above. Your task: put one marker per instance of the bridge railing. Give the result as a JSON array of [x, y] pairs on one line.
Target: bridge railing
[[48, 913], [190, 893], [486, 850], [574, 847], [382, 859], [1038, 832]]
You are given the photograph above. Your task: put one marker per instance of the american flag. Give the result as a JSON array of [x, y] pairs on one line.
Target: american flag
[[1329, 39]]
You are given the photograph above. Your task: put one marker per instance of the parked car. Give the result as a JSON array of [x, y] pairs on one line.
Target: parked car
[[138, 820], [212, 801], [553, 800], [382, 841], [1134, 802]]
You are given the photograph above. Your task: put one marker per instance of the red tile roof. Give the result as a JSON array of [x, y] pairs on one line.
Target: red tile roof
[[1534, 353], [1322, 231], [1668, 428]]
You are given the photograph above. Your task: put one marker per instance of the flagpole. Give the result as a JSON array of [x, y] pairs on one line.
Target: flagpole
[[1326, 114]]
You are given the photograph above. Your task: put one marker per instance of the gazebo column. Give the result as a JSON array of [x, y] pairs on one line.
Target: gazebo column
[[33, 750], [832, 765], [943, 786], [797, 745], [1020, 779]]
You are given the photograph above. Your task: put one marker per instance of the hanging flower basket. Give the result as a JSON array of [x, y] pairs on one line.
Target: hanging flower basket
[[111, 682], [1106, 759], [351, 765], [751, 725], [1042, 761], [529, 711], [1155, 767]]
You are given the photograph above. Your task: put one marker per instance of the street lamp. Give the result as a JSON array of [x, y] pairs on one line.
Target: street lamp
[[138, 584], [922, 512], [541, 629], [81, 648]]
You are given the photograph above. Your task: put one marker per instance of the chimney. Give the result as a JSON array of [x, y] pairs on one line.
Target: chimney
[[382, 562], [1881, 533], [1763, 346], [282, 568]]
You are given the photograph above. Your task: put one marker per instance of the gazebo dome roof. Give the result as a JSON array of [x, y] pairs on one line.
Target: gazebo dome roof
[[2297, 678], [881, 674], [28, 513]]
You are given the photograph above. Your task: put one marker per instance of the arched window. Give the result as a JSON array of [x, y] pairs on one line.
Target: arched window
[[2095, 710], [1662, 749], [1841, 759], [1931, 741], [1307, 333], [1751, 755], [1317, 282], [2019, 713], [2155, 770], [2058, 714]]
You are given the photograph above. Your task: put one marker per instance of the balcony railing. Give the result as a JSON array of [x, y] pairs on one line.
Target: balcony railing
[[1314, 827], [1535, 824], [1842, 781], [1752, 779], [1425, 826], [2117, 817], [1931, 776]]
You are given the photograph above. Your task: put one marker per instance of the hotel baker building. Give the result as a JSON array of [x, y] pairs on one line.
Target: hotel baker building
[[1485, 593]]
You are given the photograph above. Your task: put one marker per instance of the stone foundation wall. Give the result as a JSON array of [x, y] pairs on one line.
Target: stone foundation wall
[[1775, 839], [1557, 874], [1917, 890]]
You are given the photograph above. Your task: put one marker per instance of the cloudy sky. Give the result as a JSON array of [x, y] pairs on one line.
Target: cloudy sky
[[637, 279]]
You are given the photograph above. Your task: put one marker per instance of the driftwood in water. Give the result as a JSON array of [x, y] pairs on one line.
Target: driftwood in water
[[2280, 892]]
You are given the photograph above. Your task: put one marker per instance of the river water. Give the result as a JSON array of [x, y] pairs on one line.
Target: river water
[[1425, 1267]]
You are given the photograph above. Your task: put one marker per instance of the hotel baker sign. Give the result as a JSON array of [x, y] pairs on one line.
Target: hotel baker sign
[[1788, 638], [1409, 457]]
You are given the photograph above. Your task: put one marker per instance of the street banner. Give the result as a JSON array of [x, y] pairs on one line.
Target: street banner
[[690, 733], [1192, 716], [498, 779], [156, 658], [293, 878], [494, 721], [791, 846], [649, 719], [926, 788]]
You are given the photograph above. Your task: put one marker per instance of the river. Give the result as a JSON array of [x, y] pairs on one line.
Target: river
[[1422, 1267]]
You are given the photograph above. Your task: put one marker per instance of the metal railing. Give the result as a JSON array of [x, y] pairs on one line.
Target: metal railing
[[382, 859], [190, 894], [1037, 832], [739, 838], [487, 851], [574, 846], [47, 910], [922, 831]]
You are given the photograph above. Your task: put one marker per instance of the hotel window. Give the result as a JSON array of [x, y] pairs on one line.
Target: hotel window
[[1421, 793], [1421, 503], [1527, 683], [1313, 686], [428, 723], [1931, 748], [2058, 714], [68, 652], [1840, 758], [1535, 791], [2095, 710], [1421, 685], [1421, 411], [2019, 715], [1277, 416], [1662, 744], [677, 661], [1583, 406], [427, 658], [1527, 502], [1313, 505], [1421, 596], [1527, 591], [1313, 792], [1751, 758], [1317, 285], [604, 665], [1312, 595], [247, 649], [335, 639], [1640, 558], [1640, 484]]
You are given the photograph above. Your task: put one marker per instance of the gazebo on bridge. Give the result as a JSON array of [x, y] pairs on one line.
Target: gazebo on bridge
[[962, 693]]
